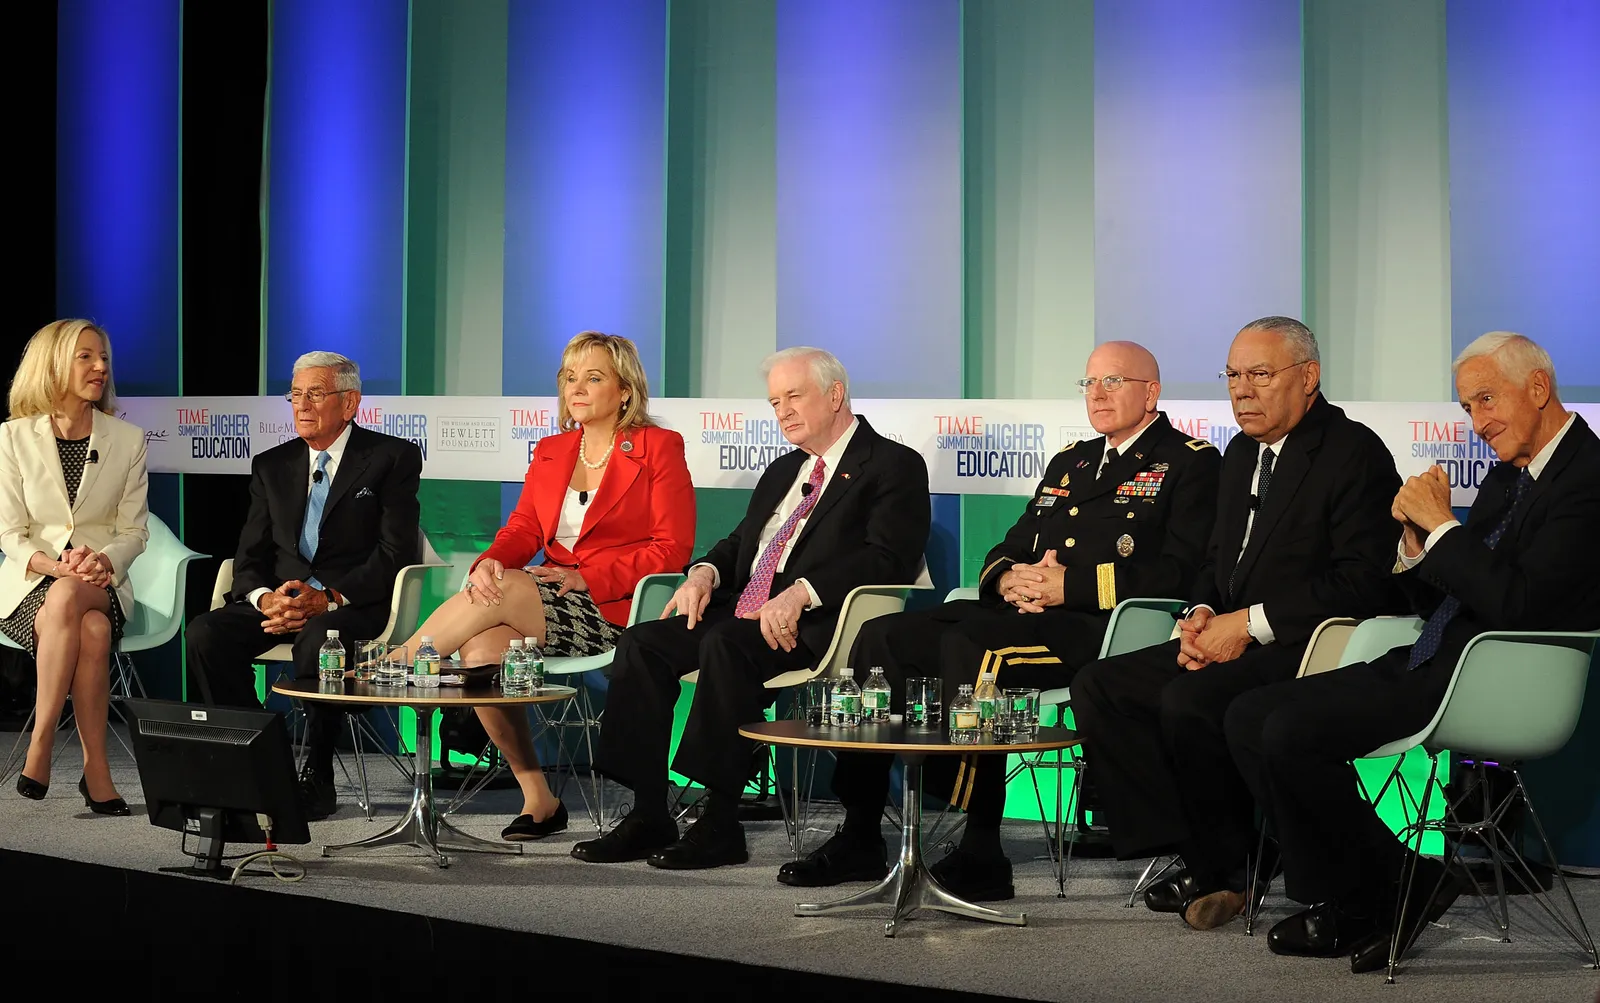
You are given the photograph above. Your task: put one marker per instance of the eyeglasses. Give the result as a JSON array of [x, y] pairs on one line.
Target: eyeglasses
[[316, 397], [1111, 384], [1257, 377]]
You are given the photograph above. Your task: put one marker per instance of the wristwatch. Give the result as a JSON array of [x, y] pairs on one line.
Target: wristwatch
[[333, 603]]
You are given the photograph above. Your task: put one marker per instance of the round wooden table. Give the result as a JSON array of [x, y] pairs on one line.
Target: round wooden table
[[909, 885], [422, 824]]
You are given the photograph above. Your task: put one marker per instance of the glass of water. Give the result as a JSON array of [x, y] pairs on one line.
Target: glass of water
[[814, 698], [369, 655], [1023, 705], [924, 708], [391, 668]]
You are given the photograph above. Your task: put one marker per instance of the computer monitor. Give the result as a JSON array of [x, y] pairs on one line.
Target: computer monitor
[[218, 773]]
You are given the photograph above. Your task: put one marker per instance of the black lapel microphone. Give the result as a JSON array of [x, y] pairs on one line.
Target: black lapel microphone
[[805, 489], [1255, 503], [316, 477], [94, 456]]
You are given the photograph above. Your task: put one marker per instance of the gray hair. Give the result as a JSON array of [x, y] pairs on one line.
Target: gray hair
[[826, 368], [346, 374], [1301, 341], [1517, 354]]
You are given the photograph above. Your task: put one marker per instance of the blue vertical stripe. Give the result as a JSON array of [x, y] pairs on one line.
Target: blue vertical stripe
[[1525, 177], [117, 177], [869, 189], [585, 172], [336, 210]]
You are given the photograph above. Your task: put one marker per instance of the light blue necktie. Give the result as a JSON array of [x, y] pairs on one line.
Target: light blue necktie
[[311, 529]]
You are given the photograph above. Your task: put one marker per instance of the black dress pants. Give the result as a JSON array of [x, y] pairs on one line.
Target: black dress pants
[[953, 641], [1293, 744], [1153, 735], [734, 662], [223, 644]]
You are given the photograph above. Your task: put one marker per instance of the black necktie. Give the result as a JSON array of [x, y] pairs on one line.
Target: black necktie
[[1111, 457], [1432, 635], [1258, 499]]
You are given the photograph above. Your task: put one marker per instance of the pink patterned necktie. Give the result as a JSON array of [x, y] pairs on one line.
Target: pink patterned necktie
[[759, 589]]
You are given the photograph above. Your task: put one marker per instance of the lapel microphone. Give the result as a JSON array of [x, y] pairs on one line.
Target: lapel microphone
[[316, 477], [1255, 503], [94, 456], [805, 489]]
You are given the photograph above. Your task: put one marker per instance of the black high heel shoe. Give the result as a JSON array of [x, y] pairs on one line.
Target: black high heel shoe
[[30, 788], [116, 806]]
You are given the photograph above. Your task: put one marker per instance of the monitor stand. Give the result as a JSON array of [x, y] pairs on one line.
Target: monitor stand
[[208, 862]]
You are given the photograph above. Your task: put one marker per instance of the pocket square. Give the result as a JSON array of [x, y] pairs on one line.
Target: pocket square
[[364, 493]]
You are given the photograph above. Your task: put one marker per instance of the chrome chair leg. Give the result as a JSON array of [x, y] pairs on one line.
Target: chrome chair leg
[[1150, 876]]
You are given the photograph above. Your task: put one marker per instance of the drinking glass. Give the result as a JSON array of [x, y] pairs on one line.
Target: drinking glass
[[369, 655], [815, 697], [1024, 707], [392, 666], [923, 706]]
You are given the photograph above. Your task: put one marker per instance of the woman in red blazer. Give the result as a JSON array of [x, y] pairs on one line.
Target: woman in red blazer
[[607, 502]]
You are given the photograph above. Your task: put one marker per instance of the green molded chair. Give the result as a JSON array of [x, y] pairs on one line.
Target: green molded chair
[[158, 576], [1515, 696]]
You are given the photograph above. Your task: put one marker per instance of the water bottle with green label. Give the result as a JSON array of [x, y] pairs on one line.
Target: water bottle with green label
[[987, 697], [330, 659], [875, 697], [846, 709]]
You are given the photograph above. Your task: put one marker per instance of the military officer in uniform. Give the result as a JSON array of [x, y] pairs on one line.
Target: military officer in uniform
[[1124, 514]]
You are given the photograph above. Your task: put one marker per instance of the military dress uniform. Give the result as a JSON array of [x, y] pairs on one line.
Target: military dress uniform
[[1138, 526]]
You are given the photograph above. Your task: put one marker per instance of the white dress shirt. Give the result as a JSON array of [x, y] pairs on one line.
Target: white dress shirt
[[1122, 450], [790, 502], [330, 469], [1536, 466]]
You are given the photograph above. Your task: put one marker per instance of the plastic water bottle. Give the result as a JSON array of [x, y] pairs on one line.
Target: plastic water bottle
[[987, 697], [966, 724], [846, 709], [514, 678], [875, 696], [535, 662], [330, 659], [426, 667]]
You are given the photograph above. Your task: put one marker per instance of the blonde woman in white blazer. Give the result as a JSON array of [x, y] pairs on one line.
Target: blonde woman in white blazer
[[72, 520]]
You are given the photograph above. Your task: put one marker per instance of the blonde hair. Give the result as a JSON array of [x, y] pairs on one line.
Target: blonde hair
[[625, 363], [43, 377]]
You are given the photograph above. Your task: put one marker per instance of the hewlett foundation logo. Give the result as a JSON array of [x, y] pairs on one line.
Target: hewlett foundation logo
[[214, 436], [459, 434], [985, 450], [743, 443]]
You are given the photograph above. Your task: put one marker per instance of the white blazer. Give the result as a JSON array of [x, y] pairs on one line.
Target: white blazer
[[109, 516]]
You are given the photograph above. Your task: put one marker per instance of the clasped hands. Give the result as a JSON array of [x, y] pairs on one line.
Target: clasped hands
[[290, 605], [1422, 506], [483, 585], [1032, 588], [84, 564], [779, 615], [1206, 636]]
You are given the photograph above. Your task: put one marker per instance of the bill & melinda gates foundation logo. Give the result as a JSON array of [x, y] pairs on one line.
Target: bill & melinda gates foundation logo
[[992, 450], [743, 443], [411, 426], [214, 436]]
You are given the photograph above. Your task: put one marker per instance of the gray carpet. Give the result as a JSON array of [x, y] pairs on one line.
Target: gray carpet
[[1087, 947]]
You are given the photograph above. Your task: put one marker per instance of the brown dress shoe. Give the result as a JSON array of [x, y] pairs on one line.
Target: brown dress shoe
[[1207, 912]]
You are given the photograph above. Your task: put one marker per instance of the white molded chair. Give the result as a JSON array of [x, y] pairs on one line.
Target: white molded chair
[[158, 576]]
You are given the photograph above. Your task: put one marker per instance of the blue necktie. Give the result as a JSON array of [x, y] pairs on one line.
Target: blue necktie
[[1432, 635], [311, 529]]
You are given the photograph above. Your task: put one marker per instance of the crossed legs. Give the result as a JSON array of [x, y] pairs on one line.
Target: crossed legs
[[73, 631]]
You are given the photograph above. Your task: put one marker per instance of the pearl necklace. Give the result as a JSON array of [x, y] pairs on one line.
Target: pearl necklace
[[584, 459]]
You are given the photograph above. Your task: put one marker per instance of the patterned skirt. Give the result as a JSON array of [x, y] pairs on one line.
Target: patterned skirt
[[573, 624], [19, 625]]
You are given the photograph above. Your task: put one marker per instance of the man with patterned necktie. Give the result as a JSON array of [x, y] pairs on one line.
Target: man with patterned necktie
[[848, 507], [333, 517], [1522, 561]]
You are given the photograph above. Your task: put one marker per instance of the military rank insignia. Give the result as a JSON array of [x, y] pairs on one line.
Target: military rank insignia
[[1145, 484]]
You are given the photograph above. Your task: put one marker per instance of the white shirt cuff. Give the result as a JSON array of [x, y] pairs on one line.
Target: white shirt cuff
[[1438, 532], [716, 576], [1259, 628], [254, 598], [1196, 608], [816, 600]]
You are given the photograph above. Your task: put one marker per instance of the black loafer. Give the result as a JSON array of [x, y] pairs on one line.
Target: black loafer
[[1323, 931], [1172, 894], [975, 877], [634, 838], [704, 845], [842, 858], [1372, 954], [527, 827], [317, 796], [114, 806]]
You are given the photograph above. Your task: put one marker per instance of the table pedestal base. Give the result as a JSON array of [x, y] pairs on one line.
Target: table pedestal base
[[909, 886], [422, 825]]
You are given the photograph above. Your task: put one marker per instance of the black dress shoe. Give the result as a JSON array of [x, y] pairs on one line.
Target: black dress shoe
[[317, 796], [115, 806], [1172, 894], [708, 843], [30, 788], [976, 877], [634, 838], [1372, 954], [1323, 931], [526, 827], [842, 858]]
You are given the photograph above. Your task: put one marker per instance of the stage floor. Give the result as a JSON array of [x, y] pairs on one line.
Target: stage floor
[[1085, 947]]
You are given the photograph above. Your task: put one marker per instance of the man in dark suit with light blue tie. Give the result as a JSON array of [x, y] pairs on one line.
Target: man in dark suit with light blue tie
[[333, 517], [1522, 561]]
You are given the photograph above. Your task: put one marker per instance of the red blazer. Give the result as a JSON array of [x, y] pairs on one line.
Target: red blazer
[[640, 521]]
